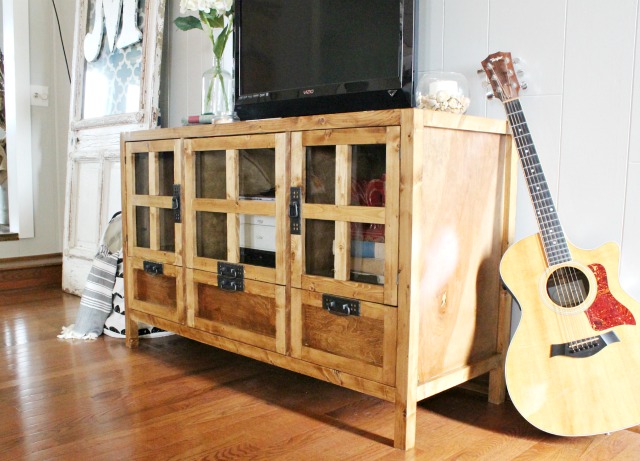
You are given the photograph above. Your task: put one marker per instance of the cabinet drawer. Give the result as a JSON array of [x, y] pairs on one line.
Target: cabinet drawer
[[258, 220], [155, 289], [363, 345], [255, 315], [258, 237]]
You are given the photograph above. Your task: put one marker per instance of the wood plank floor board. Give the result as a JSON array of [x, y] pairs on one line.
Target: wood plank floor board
[[112, 409], [613, 446], [176, 399], [475, 429]]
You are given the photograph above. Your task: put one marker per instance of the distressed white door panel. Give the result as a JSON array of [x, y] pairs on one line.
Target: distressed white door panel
[[111, 189], [466, 44], [598, 60], [75, 274], [93, 183], [92, 142], [85, 211], [630, 265], [538, 41]]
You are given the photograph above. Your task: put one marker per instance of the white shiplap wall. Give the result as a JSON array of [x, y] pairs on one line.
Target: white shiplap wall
[[582, 64]]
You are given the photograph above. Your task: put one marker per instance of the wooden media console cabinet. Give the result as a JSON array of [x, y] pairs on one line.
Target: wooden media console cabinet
[[361, 249]]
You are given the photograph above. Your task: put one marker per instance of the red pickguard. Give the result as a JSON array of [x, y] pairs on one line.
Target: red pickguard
[[606, 311]]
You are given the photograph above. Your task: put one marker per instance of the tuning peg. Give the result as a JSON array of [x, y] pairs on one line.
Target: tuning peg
[[490, 95], [480, 72], [520, 73], [523, 85], [485, 83], [518, 65]]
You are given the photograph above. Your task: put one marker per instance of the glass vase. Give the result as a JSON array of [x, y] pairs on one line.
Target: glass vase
[[217, 93]]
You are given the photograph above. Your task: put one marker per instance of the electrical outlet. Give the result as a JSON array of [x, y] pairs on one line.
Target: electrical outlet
[[39, 95]]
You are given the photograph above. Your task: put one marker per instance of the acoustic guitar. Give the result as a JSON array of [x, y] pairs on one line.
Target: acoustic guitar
[[573, 365]]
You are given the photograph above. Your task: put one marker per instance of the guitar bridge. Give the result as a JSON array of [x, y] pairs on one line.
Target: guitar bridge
[[584, 347]]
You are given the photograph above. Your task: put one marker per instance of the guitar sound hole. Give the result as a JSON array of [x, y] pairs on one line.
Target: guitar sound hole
[[567, 286]]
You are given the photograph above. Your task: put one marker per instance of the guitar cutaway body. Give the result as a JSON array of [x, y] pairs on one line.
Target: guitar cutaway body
[[573, 365]]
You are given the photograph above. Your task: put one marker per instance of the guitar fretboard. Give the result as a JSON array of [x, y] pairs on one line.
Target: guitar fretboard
[[553, 238]]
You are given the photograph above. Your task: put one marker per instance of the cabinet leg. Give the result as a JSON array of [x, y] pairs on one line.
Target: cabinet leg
[[131, 331], [404, 436], [497, 386], [497, 378]]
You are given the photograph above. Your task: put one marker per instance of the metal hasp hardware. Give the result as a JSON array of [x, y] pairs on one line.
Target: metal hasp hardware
[[294, 210], [152, 268], [175, 203], [230, 276], [341, 306]]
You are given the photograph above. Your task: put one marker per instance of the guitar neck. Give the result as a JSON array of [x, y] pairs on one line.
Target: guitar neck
[[553, 238]]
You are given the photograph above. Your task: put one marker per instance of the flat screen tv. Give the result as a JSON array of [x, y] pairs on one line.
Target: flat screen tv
[[306, 57]]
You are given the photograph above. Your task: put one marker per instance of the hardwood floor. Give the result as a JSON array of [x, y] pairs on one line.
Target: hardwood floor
[[175, 399]]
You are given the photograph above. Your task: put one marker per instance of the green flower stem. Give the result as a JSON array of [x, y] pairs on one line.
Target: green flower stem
[[209, 91], [224, 92]]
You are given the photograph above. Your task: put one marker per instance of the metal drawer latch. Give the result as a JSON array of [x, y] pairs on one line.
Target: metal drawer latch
[[294, 210], [152, 268], [175, 203], [341, 306], [230, 276]]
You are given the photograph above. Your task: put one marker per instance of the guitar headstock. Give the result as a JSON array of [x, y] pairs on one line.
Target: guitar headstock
[[502, 75]]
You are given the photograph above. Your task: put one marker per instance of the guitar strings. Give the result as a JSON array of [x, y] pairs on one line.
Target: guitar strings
[[564, 278], [569, 289], [516, 120], [529, 164], [546, 225], [548, 228]]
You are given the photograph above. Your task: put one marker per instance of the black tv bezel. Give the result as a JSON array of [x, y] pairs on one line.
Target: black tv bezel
[[393, 93]]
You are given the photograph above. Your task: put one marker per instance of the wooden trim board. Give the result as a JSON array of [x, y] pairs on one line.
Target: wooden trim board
[[31, 272]]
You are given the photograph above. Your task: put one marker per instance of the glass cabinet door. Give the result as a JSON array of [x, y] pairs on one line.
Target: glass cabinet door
[[153, 198], [349, 186], [236, 190]]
